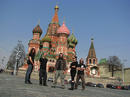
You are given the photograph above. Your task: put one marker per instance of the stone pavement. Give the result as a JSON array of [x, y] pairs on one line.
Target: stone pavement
[[13, 86]]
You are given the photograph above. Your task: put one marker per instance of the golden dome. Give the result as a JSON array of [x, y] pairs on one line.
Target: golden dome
[[56, 7]]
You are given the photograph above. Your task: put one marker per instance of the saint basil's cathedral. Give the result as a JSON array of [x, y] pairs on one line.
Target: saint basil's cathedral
[[58, 40]]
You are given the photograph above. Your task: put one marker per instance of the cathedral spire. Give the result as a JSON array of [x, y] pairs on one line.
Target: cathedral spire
[[55, 17], [92, 53], [92, 45], [38, 22]]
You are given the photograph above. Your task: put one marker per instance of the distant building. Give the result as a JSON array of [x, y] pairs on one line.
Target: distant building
[[92, 62]]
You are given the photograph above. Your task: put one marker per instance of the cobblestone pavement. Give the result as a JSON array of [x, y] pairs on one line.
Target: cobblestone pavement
[[13, 86]]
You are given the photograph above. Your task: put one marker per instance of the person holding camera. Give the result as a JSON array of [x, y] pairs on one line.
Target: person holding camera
[[80, 74]]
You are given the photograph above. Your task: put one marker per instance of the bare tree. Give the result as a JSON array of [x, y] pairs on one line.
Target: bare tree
[[2, 64], [114, 64], [17, 55]]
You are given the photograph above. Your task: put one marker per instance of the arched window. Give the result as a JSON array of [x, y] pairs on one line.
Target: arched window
[[93, 61], [90, 61]]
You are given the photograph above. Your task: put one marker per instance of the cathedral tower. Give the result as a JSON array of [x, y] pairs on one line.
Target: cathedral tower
[[35, 42], [52, 28], [91, 61], [45, 44], [63, 33], [72, 42]]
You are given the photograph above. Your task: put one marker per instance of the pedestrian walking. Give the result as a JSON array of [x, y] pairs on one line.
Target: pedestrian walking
[[42, 72], [73, 67], [80, 74], [60, 69], [30, 63]]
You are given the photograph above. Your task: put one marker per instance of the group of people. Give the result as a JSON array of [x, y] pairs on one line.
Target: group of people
[[60, 70]]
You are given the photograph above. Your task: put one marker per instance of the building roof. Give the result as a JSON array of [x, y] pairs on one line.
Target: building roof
[[55, 18], [37, 29], [92, 53], [56, 7], [46, 39], [103, 60], [63, 29], [72, 39]]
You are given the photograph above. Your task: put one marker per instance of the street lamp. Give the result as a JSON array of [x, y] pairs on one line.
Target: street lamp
[[17, 59], [123, 66], [3, 59], [18, 56]]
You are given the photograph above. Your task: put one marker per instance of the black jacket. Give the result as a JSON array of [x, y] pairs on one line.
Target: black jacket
[[73, 64], [60, 64], [43, 63]]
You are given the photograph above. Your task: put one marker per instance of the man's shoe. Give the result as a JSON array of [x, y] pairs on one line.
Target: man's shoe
[[75, 88], [53, 86], [45, 85], [62, 87], [29, 82], [71, 88], [40, 84]]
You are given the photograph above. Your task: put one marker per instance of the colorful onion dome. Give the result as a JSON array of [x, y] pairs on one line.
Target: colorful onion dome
[[71, 45], [63, 29], [37, 29], [72, 39], [46, 39]]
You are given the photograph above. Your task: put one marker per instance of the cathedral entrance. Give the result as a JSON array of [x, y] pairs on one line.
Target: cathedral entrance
[[51, 69], [94, 71]]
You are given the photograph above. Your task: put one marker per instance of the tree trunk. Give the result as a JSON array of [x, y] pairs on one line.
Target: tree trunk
[[112, 70], [109, 68]]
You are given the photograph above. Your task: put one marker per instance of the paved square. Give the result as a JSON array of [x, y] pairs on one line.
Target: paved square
[[13, 86]]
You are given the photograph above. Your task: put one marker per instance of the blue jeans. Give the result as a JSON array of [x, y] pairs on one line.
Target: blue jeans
[[28, 73]]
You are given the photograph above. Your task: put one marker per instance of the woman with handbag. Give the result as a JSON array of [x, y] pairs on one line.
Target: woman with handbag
[[30, 63]]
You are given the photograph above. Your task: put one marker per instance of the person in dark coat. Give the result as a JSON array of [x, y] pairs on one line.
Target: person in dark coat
[[60, 68], [73, 67], [30, 63], [80, 74], [42, 72]]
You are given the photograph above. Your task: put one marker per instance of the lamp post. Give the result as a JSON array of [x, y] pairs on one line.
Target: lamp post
[[16, 63], [123, 66], [3, 59], [18, 56]]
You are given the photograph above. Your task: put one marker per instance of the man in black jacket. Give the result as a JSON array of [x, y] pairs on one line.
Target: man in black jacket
[[80, 75], [60, 68], [42, 72], [73, 67]]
